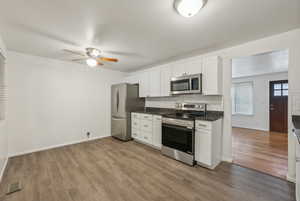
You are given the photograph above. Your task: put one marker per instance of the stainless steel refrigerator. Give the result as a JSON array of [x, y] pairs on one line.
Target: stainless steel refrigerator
[[125, 99]]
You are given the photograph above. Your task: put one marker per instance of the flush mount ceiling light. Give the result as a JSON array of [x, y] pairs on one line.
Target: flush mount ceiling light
[[188, 8], [91, 62]]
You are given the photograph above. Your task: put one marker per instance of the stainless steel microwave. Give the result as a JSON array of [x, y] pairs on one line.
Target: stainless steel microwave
[[187, 84]]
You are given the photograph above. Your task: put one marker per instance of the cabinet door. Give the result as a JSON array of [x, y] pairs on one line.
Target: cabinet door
[[212, 76], [156, 137], [203, 149], [154, 82], [166, 75], [132, 79], [178, 69], [144, 85], [193, 67]]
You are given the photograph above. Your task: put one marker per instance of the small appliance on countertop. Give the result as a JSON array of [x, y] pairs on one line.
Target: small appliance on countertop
[[178, 132]]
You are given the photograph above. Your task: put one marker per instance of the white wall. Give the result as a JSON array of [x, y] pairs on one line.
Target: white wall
[[3, 123], [53, 102], [266, 63], [260, 118], [214, 102]]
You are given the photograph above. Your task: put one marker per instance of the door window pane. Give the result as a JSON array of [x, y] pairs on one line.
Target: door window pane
[[277, 86], [277, 92], [285, 86], [285, 92]]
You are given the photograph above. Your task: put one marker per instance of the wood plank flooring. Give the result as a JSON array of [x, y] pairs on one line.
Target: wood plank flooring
[[110, 170], [261, 150]]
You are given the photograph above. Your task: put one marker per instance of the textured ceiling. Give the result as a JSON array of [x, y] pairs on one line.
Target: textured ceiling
[[139, 32]]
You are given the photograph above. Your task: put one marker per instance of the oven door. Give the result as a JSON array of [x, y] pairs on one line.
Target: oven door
[[178, 137]]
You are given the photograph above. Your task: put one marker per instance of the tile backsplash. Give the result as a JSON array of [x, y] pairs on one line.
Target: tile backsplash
[[214, 103]]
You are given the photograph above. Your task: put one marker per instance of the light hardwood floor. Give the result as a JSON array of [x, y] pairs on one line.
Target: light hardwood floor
[[261, 150], [110, 170]]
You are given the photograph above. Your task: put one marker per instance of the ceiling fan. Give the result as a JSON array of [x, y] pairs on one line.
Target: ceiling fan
[[92, 57]]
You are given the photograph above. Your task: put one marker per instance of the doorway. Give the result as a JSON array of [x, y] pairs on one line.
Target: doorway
[[279, 106], [260, 112]]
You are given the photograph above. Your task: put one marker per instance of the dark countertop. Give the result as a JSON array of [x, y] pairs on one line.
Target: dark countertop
[[155, 111], [209, 116]]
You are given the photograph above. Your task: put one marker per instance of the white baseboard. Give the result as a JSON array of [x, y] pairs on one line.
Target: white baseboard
[[3, 169], [227, 159], [290, 178], [55, 146]]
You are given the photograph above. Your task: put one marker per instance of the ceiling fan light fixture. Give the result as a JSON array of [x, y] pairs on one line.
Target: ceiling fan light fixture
[[91, 62], [188, 8], [93, 52]]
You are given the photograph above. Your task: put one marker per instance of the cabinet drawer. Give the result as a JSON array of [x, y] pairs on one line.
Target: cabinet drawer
[[156, 118], [147, 137], [135, 133], [135, 123], [146, 116], [146, 125], [135, 115], [203, 125]]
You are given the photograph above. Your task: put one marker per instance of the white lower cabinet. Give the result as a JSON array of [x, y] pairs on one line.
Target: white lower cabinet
[[208, 143], [146, 129], [156, 131]]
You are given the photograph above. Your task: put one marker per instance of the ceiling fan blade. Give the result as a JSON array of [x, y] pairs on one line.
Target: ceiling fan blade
[[108, 59], [100, 64], [75, 52]]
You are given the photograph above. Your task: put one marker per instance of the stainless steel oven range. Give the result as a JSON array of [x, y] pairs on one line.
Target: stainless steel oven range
[[178, 138], [178, 132]]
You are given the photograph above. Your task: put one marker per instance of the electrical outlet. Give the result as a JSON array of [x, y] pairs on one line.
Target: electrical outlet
[[88, 134]]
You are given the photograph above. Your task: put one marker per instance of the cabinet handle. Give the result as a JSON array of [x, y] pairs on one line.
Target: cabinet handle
[[203, 125], [146, 138], [145, 126]]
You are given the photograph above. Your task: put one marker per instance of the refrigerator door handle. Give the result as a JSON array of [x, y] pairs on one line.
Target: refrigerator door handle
[[118, 101]]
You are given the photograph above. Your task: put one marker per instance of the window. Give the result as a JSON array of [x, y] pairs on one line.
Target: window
[[242, 98]]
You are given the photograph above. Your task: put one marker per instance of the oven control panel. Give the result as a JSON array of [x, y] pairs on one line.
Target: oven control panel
[[191, 106]]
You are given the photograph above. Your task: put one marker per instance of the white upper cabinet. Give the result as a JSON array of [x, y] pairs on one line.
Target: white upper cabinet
[[212, 77], [132, 79], [178, 69], [154, 82], [187, 67], [194, 66], [144, 84], [165, 78]]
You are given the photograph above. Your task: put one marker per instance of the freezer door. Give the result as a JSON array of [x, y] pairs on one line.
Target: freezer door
[[119, 128], [118, 100]]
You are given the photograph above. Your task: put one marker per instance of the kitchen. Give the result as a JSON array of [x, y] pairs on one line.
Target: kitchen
[[187, 131], [131, 100]]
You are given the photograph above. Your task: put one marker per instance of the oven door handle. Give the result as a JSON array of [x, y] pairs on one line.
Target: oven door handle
[[177, 127]]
